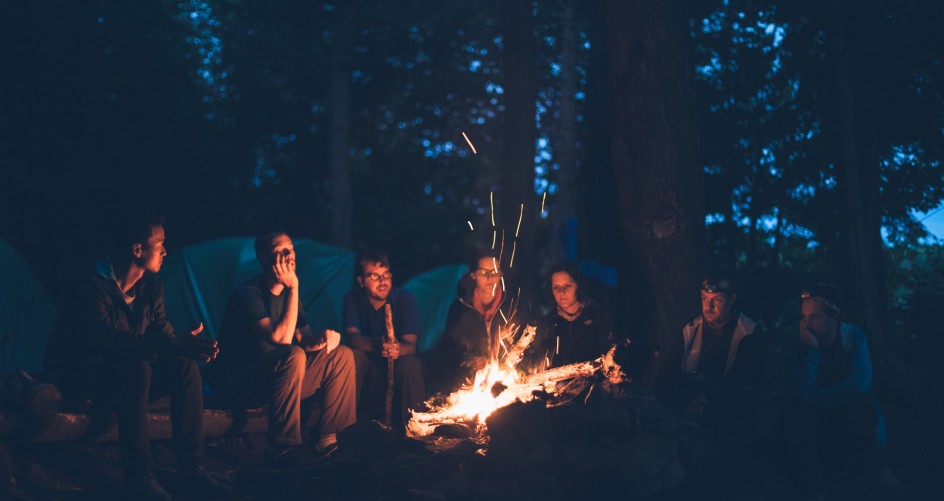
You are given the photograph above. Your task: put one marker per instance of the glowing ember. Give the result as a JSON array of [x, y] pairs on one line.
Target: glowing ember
[[470, 143], [514, 247], [491, 203], [470, 225], [520, 215], [542, 202]]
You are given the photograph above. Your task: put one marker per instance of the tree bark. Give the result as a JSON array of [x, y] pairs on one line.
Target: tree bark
[[517, 174], [654, 151], [339, 157], [850, 41]]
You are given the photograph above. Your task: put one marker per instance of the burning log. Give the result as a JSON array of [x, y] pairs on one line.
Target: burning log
[[516, 352], [564, 372]]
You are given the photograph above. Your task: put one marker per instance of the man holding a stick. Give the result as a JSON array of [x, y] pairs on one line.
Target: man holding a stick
[[376, 349]]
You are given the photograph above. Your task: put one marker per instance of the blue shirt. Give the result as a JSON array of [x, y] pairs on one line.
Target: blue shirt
[[361, 315]]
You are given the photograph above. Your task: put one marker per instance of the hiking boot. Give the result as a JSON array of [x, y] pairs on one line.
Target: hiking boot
[[145, 487], [198, 479]]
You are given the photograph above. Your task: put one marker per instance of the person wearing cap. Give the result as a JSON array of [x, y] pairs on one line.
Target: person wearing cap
[[832, 424], [723, 361]]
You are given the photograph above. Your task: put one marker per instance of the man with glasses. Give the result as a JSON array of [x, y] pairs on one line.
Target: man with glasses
[[270, 355], [723, 362], [365, 327], [832, 425]]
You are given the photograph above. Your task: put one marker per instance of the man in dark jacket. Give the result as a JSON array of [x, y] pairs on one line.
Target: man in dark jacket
[[722, 363], [112, 343]]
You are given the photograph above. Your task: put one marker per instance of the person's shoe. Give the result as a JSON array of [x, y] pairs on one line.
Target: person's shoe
[[198, 479], [145, 487], [284, 457], [325, 453]]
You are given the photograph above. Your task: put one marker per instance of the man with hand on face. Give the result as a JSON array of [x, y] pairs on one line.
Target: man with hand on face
[[269, 354], [365, 326], [723, 361], [112, 343], [833, 424]]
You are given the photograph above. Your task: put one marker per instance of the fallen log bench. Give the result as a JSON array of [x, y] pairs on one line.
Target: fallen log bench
[[72, 426]]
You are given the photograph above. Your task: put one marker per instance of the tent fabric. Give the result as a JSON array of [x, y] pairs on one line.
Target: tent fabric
[[27, 314], [199, 279], [435, 290]]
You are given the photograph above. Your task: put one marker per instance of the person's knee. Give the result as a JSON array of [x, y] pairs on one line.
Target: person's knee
[[360, 356], [409, 366], [189, 371], [291, 358]]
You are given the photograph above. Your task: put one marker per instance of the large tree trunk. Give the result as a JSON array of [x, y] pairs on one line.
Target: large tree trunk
[[850, 40], [339, 156], [517, 175], [655, 156], [566, 147]]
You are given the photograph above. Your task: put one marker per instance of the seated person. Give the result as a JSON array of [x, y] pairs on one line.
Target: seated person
[[472, 326], [269, 354], [112, 343], [578, 329], [723, 361], [832, 424], [366, 327]]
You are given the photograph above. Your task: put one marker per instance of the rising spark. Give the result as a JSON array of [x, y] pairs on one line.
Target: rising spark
[[470, 143], [493, 288], [494, 234], [514, 247], [495, 264], [542, 202], [503, 284], [503, 318], [557, 350], [491, 203], [470, 225], [501, 250], [520, 215]]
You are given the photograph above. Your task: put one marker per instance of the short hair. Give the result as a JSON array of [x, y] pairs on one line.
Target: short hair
[[133, 227], [713, 278], [263, 243], [371, 256], [570, 268], [831, 296]]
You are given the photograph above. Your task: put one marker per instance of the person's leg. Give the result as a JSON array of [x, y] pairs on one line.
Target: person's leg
[[852, 426], [802, 461], [409, 387], [133, 378], [362, 372], [273, 378], [333, 374], [181, 379]]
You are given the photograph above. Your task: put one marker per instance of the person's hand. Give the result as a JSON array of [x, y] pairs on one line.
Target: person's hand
[[696, 409], [284, 271], [196, 347], [332, 339], [807, 337], [390, 350], [475, 363]]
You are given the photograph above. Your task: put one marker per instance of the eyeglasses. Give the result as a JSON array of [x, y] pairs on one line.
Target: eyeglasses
[[488, 273], [806, 296], [713, 288], [376, 277]]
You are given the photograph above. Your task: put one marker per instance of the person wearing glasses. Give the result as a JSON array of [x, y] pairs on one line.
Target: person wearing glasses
[[365, 327], [833, 425], [577, 329], [723, 362], [472, 325], [269, 355]]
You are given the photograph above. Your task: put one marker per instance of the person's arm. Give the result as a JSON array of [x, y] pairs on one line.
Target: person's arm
[[856, 381], [801, 381], [406, 342], [163, 338], [352, 326], [281, 330]]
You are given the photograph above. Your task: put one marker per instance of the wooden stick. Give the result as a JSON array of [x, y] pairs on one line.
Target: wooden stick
[[391, 338]]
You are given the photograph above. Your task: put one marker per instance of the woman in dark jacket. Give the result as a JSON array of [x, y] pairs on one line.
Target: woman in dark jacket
[[472, 326], [577, 329]]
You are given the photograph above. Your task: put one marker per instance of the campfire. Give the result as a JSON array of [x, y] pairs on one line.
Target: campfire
[[501, 383]]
